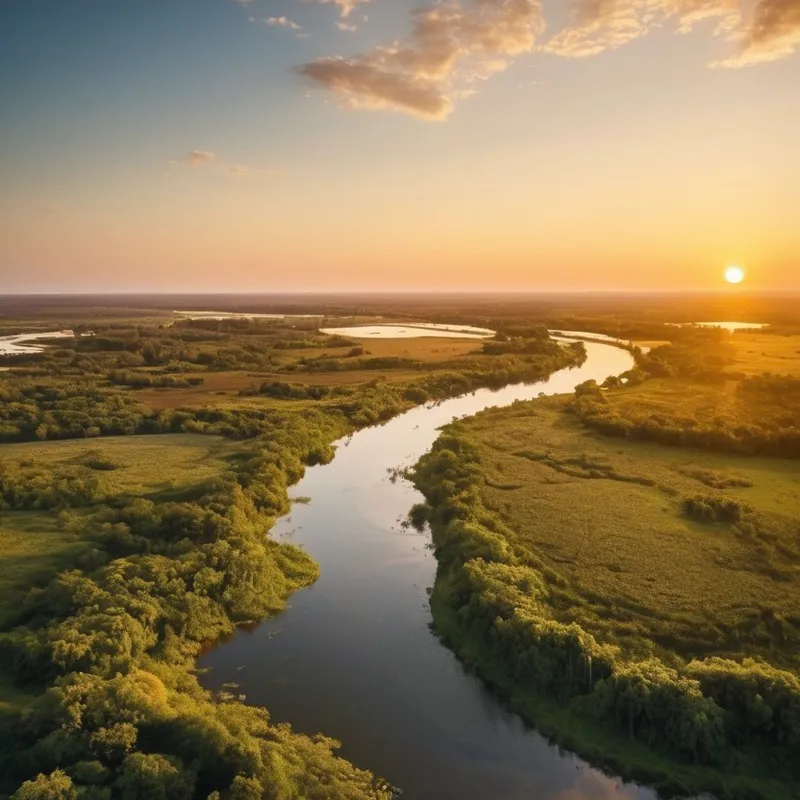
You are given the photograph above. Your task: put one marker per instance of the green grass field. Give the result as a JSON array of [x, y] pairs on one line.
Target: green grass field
[[35, 545], [144, 466], [607, 516], [32, 550]]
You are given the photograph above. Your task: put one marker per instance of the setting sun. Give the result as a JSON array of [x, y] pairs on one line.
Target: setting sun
[[734, 274]]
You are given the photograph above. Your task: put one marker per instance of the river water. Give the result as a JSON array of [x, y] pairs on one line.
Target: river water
[[353, 656], [25, 343]]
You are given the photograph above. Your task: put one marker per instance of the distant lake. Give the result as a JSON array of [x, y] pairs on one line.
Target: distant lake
[[20, 343], [412, 330], [219, 315]]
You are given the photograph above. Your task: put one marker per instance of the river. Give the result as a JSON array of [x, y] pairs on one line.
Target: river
[[26, 343], [353, 656]]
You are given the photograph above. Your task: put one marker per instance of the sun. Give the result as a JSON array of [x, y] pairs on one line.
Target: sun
[[734, 274]]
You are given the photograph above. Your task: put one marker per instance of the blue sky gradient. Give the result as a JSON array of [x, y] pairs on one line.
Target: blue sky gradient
[[640, 166]]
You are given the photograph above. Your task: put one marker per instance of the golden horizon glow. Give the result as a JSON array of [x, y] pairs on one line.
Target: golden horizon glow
[[734, 274], [635, 168]]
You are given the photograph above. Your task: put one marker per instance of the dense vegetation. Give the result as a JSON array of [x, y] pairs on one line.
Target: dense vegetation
[[639, 602], [92, 385]]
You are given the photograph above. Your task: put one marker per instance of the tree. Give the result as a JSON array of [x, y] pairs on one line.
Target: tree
[[148, 776], [55, 786]]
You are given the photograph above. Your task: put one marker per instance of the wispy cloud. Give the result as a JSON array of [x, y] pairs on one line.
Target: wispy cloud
[[450, 46], [769, 32], [600, 25], [197, 158], [200, 158], [345, 6], [283, 22], [346, 26]]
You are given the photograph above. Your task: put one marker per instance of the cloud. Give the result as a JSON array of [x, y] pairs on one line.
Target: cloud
[[600, 25], [197, 158], [450, 46], [345, 6], [283, 22], [346, 26], [770, 32]]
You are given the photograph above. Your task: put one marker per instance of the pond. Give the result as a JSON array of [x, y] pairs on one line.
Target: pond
[[411, 330]]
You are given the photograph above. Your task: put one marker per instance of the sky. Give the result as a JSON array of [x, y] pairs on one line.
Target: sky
[[318, 145]]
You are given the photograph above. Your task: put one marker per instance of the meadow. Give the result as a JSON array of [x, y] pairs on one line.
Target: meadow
[[609, 520]]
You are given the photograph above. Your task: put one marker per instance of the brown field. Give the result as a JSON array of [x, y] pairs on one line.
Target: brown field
[[427, 349], [222, 387]]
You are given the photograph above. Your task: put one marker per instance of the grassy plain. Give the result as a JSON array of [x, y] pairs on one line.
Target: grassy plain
[[757, 352], [32, 550], [35, 545], [607, 517]]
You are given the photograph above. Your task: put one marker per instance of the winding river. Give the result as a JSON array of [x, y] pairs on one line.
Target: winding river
[[353, 655]]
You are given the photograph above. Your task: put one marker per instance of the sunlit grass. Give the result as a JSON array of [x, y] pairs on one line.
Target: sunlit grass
[[635, 566]]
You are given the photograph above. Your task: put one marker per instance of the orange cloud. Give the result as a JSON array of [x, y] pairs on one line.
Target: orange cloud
[[197, 158], [607, 24], [771, 32], [449, 46]]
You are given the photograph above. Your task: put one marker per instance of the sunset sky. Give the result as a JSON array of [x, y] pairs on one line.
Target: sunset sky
[[284, 145]]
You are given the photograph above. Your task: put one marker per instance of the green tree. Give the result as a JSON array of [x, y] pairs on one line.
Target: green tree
[[55, 786], [149, 776]]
